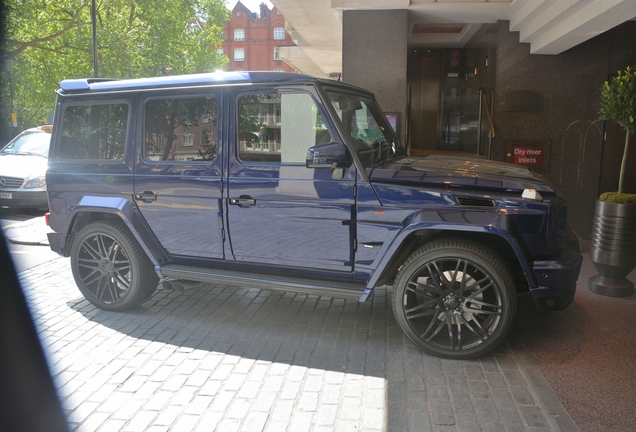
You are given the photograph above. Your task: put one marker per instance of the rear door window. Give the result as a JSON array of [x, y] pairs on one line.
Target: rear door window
[[181, 129]]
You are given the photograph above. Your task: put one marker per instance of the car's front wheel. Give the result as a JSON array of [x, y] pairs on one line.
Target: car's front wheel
[[455, 298], [110, 268]]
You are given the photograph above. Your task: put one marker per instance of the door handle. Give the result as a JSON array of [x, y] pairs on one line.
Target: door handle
[[146, 196], [243, 201]]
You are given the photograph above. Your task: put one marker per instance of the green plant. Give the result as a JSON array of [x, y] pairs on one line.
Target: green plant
[[618, 103], [618, 198]]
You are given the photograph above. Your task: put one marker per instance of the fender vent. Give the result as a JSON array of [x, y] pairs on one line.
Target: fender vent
[[475, 202]]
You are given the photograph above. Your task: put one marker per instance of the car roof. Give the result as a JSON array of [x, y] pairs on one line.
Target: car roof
[[42, 128], [90, 85]]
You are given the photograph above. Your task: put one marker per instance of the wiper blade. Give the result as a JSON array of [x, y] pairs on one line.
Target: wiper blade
[[23, 153]]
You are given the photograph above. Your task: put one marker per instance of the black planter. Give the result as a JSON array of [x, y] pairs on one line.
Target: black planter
[[613, 250]]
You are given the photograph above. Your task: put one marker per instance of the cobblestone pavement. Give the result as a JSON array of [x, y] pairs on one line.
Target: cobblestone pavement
[[226, 358]]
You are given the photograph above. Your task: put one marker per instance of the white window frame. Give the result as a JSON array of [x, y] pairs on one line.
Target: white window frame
[[188, 139], [240, 57], [276, 56], [279, 33], [206, 134], [239, 34]]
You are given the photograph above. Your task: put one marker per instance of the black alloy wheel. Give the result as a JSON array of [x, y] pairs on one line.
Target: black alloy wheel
[[455, 299], [110, 268]]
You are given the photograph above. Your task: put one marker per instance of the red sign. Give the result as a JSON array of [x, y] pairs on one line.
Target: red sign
[[528, 155]]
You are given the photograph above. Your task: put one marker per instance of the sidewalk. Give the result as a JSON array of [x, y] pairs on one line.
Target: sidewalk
[[31, 232], [238, 359]]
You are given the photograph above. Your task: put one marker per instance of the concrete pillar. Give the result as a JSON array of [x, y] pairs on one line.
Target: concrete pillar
[[374, 50]]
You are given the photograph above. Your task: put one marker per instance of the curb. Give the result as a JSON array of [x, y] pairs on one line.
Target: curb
[[559, 419], [29, 233]]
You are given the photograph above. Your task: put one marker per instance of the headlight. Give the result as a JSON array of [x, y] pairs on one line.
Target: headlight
[[531, 195], [38, 182]]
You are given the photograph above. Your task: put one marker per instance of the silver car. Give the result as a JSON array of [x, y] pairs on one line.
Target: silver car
[[23, 163]]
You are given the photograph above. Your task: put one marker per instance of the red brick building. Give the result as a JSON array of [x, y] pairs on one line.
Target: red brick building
[[251, 40]]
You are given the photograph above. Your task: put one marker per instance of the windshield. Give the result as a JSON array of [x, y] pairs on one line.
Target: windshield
[[370, 133], [29, 143]]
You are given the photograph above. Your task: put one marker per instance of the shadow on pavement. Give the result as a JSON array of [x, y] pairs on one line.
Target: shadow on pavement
[[338, 337]]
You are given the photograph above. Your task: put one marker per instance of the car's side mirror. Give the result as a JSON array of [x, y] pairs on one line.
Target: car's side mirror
[[328, 155]]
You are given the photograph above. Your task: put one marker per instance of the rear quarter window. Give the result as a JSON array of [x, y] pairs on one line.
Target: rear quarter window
[[93, 131]]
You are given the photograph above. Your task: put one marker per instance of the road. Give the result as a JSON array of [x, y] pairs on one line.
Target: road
[[24, 256]]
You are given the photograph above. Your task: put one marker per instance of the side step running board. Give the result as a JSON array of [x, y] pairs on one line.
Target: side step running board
[[265, 281]]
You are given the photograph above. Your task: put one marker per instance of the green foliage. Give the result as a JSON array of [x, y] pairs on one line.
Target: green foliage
[[51, 40], [616, 198], [618, 100], [618, 103]]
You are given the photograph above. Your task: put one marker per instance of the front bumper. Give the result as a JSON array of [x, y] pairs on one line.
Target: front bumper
[[557, 279]]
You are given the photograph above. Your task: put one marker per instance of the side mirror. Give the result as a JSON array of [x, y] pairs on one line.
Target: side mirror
[[328, 155]]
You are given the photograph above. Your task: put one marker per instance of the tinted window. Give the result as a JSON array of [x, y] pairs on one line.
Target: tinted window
[[279, 127], [181, 129], [94, 131], [371, 135]]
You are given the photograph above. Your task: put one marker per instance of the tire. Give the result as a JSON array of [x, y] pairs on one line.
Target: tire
[[455, 299], [110, 268]]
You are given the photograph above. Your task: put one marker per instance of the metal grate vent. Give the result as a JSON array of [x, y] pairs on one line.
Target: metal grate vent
[[475, 202], [10, 182]]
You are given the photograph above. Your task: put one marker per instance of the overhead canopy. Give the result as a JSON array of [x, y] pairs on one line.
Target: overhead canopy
[[549, 26]]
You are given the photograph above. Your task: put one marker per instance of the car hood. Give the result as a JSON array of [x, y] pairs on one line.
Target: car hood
[[22, 166], [460, 173]]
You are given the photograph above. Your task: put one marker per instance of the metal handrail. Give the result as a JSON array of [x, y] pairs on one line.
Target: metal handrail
[[483, 98]]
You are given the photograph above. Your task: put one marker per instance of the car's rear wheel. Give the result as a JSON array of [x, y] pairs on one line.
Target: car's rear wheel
[[455, 299], [110, 268]]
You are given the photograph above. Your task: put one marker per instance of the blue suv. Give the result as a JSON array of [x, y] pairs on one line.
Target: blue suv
[[285, 181]]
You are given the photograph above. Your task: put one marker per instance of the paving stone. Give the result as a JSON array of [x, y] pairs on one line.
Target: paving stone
[[141, 421], [225, 358]]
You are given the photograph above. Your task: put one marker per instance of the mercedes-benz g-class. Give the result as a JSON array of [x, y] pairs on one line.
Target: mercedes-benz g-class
[[285, 181]]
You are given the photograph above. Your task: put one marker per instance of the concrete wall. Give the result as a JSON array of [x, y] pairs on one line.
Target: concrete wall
[[569, 84], [374, 56]]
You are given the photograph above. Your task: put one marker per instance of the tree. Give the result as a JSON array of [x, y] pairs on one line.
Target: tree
[[618, 103], [51, 40]]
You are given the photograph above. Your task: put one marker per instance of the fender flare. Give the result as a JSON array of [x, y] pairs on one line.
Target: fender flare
[[499, 226], [125, 210]]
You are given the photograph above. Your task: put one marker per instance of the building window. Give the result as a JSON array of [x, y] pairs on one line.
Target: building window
[[276, 54], [279, 33], [219, 51], [279, 70], [239, 34], [188, 139], [239, 54]]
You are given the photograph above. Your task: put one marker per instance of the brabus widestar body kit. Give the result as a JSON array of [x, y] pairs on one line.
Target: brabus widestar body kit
[[285, 181]]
